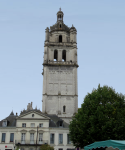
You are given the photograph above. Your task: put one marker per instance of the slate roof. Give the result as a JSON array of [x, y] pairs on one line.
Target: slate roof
[[53, 122], [11, 120], [56, 27]]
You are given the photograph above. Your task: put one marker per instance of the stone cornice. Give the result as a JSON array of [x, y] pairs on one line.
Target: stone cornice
[[60, 95], [33, 118], [8, 127], [52, 63], [57, 128], [64, 44]]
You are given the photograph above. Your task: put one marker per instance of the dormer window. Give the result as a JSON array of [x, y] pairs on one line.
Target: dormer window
[[4, 124], [61, 124]]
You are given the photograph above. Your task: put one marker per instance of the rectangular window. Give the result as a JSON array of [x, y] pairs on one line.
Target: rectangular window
[[51, 138], [41, 125], [23, 137], [68, 139], [40, 136], [11, 137], [31, 136], [60, 138], [3, 137], [23, 124], [32, 124]]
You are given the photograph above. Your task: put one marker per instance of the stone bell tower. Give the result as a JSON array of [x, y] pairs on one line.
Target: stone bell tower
[[60, 91]]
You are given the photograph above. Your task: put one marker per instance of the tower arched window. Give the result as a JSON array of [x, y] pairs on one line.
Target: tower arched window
[[60, 38], [60, 25], [55, 55], [64, 108], [59, 17], [64, 55]]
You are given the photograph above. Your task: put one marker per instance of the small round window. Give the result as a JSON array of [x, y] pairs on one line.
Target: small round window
[[32, 115]]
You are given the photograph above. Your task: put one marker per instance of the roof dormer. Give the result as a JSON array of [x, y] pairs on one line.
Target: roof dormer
[[4, 123]]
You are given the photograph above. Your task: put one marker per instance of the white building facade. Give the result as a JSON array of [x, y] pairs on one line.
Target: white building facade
[[31, 129]]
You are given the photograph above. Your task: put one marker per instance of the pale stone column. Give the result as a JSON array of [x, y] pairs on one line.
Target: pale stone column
[[75, 34], [76, 84], [59, 55], [51, 54], [44, 80], [67, 55], [56, 138], [71, 35], [45, 54], [65, 138], [47, 35], [43, 104]]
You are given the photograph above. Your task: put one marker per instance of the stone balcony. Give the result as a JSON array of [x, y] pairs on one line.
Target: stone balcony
[[30, 142], [59, 63]]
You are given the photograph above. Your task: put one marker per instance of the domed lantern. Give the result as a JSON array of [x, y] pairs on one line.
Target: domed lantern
[[60, 16]]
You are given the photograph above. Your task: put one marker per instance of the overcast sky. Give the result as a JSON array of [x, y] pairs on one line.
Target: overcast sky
[[100, 28]]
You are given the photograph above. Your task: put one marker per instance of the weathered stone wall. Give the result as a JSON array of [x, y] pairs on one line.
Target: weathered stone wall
[[60, 89]]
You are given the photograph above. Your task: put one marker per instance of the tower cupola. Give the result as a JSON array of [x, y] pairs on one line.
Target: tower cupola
[[60, 16]]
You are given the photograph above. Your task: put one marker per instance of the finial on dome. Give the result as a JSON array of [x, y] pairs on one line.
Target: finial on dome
[[72, 25], [60, 9]]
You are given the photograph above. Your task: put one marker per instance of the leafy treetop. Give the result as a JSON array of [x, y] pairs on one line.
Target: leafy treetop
[[101, 117]]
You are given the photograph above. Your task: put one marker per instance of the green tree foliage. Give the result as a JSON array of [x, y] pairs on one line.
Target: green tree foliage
[[101, 117], [46, 147]]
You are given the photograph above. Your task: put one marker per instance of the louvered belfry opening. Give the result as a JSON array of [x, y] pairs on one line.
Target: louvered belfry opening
[[59, 17], [64, 55], [55, 55]]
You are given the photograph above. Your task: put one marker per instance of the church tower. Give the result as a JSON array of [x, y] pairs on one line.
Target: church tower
[[60, 91]]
